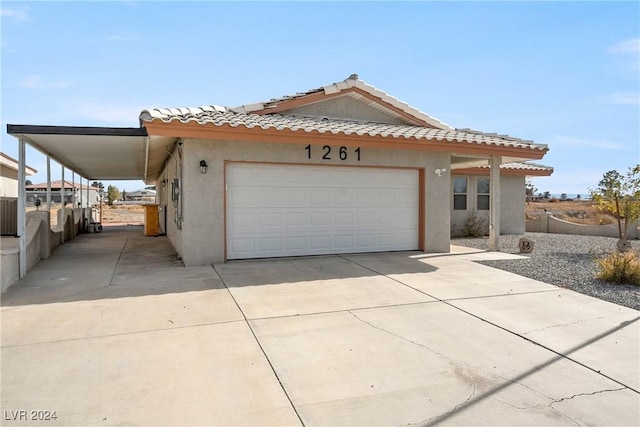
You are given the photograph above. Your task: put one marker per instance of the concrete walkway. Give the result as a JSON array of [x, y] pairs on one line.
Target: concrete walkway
[[112, 330]]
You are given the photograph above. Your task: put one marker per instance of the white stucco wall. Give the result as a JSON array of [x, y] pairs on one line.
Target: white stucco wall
[[202, 238], [512, 205]]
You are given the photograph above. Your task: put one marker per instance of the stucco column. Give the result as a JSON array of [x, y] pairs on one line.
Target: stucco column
[[494, 206], [437, 204], [22, 210]]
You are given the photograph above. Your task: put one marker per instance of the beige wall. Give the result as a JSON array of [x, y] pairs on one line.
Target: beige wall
[[202, 238], [512, 205], [8, 182], [347, 108], [167, 207]]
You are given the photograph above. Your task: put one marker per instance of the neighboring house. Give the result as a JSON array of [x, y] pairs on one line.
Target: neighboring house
[[9, 175], [145, 195], [75, 194], [340, 169]]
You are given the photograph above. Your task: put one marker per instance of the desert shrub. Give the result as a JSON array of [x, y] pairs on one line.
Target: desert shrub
[[554, 200], [621, 268], [474, 226]]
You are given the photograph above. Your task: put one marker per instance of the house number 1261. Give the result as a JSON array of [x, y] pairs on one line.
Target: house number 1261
[[343, 152]]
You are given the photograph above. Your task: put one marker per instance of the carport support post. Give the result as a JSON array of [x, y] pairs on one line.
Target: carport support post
[[73, 189], [494, 206], [61, 213], [22, 210], [49, 184]]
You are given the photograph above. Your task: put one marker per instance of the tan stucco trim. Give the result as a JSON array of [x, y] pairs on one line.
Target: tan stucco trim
[[421, 209], [287, 136], [505, 172]]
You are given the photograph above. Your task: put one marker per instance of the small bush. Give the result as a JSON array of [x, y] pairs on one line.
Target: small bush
[[474, 226], [621, 268]]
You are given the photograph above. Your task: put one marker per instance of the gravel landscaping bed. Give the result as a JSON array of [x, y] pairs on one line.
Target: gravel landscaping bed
[[563, 260]]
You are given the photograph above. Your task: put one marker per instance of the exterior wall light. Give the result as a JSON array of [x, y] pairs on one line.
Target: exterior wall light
[[203, 167], [440, 171]]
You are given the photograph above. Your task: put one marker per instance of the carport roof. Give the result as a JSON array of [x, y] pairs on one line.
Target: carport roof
[[92, 152]]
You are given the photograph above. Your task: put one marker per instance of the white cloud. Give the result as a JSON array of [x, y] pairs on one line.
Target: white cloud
[[626, 46], [17, 14], [34, 81], [571, 141], [626, 98]]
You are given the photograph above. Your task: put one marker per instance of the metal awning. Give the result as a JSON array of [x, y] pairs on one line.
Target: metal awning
[[101, 153]]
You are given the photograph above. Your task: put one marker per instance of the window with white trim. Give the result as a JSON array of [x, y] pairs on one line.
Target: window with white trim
[[482, 194], [460, 193]]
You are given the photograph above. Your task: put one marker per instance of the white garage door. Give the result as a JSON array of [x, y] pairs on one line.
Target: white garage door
[[289, 210]]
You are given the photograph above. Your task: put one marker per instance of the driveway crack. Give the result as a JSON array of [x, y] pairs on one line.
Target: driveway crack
[[562, 324], [433, 420], [585, 394], [403, 338], [554, 401]]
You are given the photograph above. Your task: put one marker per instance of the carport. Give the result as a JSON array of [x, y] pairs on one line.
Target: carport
[[93, 153]]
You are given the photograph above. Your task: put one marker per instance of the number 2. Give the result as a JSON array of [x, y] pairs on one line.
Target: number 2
[[327, 151]]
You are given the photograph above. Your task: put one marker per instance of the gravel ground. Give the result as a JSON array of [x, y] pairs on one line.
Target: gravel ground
[[563, 260]]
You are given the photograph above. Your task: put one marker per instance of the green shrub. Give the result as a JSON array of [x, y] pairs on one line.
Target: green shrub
[[621, 268]]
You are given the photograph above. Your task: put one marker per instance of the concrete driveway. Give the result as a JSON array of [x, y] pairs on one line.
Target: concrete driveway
[[111, 330]]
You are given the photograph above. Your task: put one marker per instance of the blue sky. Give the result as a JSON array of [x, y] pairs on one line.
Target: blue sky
[[566, 74]]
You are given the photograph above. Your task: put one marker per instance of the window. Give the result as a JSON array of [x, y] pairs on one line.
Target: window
[[483, 194], [460, 193]]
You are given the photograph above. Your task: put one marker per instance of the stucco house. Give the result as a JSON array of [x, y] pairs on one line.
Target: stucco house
[[9, 176], [76, 194], [144, 195], [338, 169]]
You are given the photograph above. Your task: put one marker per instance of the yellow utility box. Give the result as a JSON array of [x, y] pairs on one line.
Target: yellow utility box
[[151, 223]]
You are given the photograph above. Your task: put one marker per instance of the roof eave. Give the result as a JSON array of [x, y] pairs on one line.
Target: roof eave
[[179, 129]]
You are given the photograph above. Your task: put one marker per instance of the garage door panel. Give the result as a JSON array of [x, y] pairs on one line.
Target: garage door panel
[[287, 210]]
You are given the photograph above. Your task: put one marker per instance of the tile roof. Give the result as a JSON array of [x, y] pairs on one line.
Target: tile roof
[[221, 116], [11, 163], [350, 82], [514, 168], [525, 166], [57, 184]]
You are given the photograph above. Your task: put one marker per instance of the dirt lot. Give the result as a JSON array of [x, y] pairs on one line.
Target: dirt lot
[[579, 212], [123, 214], [117, 214]]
